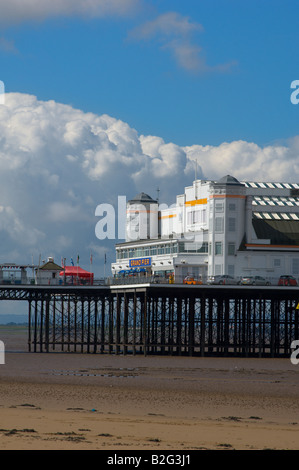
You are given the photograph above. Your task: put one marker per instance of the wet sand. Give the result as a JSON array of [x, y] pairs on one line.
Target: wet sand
[[101, 402]]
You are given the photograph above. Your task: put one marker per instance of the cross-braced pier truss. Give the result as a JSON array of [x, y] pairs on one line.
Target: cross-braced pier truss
[[165, 320]]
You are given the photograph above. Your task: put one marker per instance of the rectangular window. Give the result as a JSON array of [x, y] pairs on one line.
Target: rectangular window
[[231, 224], [219, 224], [218, 248], [296, 266], [203, 248], [197, 217], [153, 250], [218, 269], [231, 270], [181, 247], [276, 262], [219, 206], [161, 250], [193, 247], [232, 206], [231, 248], [138, 253]]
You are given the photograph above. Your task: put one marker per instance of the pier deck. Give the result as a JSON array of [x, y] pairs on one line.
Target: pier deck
[[165, 319]]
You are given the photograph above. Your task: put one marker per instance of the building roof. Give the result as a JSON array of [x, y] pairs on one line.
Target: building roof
[[275, 201], [228, 179], [50, 266], [264, 185], [142, 198]]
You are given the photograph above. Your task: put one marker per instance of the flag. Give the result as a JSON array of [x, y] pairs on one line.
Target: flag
[[90, 258], [105, 259], [72, 262], [78, 259]]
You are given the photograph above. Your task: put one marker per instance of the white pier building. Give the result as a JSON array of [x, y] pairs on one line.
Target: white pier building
[[214, 228]]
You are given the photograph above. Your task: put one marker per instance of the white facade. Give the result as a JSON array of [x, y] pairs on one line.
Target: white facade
[[214, 228], [48, 273]]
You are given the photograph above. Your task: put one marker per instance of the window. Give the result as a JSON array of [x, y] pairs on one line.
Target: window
[[219, 224], [193, 247], [153, 250], [181, 246], [296, 266], [218, 248], [218, 269], [196, 217], [203, 248], [231, 270], [231, 248], [231, 224], [219, 206], [276, 262], [138, 253], [161, 250], [232, 206]]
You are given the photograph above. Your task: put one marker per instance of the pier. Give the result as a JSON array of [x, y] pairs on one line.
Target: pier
[[161, 319]]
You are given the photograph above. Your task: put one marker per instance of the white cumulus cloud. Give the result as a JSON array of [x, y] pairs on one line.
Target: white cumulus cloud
[[18, 11], [59, 163], [176, 33]]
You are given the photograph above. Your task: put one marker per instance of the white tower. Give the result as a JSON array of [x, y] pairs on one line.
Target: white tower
[[227, 224], [142, 218]]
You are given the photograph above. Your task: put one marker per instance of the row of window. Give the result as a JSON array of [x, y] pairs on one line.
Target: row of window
[[231, 248], [219, 224], [219, 206], [163, 249], [276, 264], [140, 252], [197, 217]]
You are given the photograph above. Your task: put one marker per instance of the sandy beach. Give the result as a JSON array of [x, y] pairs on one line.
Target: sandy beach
[[101, 402]]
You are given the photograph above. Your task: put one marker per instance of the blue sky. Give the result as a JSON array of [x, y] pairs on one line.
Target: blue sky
[[96, 64], [150, 87]]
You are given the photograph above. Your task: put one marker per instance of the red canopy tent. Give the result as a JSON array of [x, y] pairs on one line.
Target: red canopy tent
[[77, 274]]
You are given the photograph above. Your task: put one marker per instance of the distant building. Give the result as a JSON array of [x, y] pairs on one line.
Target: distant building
[[48, 273], [10, 273], [214, 228]]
